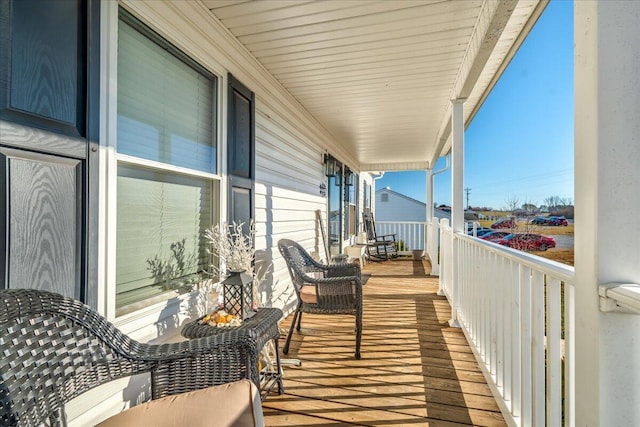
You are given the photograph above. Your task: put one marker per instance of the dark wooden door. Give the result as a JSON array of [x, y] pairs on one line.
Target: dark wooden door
[[49, 68], [241, 152]]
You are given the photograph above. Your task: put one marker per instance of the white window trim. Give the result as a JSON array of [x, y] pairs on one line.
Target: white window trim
[[151, 164], [109, 159]]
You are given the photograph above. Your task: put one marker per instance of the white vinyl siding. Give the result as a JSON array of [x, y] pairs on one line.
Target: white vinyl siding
[[288, 177], [391, 206], [284, 158]]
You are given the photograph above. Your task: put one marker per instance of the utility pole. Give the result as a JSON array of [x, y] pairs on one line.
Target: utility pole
[[467, 191]]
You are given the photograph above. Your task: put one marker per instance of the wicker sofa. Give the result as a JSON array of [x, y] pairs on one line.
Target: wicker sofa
[[55, 349]]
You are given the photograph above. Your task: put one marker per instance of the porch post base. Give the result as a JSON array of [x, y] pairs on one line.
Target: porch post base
[[454, 323], [435, 270]]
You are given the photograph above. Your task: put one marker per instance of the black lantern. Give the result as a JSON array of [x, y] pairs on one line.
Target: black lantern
[[349, 177], [331, 165], [237, 290]]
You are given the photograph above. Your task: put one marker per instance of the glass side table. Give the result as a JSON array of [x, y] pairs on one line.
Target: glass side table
[[256, 332]]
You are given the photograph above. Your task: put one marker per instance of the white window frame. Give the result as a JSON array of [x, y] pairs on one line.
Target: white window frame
[[350, 233], [110, 158]]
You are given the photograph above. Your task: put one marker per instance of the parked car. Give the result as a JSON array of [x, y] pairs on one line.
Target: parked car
[[539, 220], [483, 231], [551, 220], [494, 235], [479, 229], [557, 221], [504, 223], [527, 242]]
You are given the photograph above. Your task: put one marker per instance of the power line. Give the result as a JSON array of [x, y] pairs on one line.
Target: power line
[[467, 191]]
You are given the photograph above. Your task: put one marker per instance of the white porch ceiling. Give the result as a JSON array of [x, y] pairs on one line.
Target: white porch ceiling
[[379, 75]]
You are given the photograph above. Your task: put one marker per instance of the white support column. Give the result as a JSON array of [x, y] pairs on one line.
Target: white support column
[[457, 198], [457, 166], [429, 214], [429, 195], [607, 230]]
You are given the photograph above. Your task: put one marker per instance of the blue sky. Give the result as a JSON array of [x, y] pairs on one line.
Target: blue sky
[[520, 144]]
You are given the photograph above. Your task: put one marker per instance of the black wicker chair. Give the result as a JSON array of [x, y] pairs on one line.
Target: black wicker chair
[[322, 289], [54, 348]]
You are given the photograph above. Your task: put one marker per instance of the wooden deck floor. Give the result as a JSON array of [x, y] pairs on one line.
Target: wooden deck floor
[[415, 369]]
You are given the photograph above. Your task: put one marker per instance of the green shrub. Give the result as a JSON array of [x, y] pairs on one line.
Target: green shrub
[[401, 246]]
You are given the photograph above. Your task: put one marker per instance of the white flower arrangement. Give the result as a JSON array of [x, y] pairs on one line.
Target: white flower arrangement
[[234, 250]]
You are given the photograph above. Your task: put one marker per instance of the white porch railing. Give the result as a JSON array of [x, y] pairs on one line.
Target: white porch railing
[[433, 246], [517, 311], [411, 232]]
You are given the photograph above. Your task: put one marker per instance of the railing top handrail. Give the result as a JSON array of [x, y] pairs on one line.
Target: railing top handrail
[[553, 268], [401, 222], [624, 296]]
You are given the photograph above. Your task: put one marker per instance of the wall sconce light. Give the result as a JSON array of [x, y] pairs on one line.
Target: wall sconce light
[[349, 177], [330, 165]]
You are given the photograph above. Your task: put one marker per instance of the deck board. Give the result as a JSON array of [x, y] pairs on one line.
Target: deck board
[[415, 369]]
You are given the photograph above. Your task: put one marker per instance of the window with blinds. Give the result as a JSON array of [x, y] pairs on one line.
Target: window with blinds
[[166, 114], [161, 220], [166, 108]]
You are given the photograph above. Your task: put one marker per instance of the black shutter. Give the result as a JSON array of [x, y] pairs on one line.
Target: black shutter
[[241, 152], [49, 96]]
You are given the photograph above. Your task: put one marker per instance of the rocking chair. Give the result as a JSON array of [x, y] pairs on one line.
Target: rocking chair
[[379, 248]]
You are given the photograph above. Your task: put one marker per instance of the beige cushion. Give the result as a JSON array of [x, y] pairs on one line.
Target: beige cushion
[[235, 404], [308, 294]]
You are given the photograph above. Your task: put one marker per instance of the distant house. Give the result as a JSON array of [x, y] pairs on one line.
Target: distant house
[[524, 213], [393, 206], [470, 215]]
